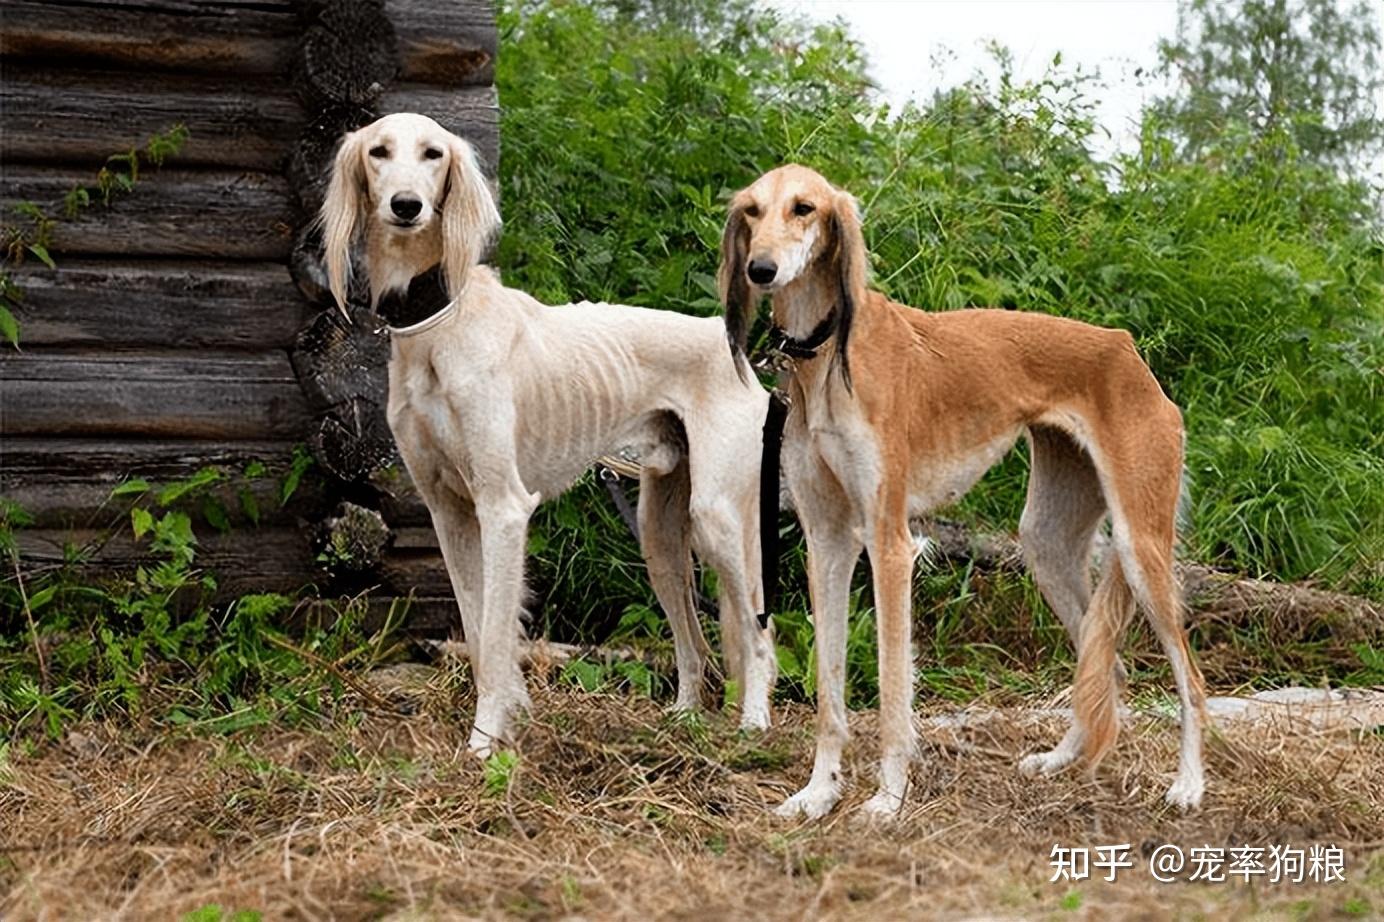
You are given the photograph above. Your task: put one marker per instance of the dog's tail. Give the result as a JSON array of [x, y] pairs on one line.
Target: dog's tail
[[1095, 692], [769, 480]]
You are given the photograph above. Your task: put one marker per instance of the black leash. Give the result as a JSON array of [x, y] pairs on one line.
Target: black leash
[[769, 480], [611, 480]]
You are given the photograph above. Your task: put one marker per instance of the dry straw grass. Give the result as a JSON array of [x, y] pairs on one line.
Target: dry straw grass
[[617, 811]]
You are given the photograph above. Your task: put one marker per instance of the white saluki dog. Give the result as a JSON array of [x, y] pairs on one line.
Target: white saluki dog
[[896, 411], [498, 402]]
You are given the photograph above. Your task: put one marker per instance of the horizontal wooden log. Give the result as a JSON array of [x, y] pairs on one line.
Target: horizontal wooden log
[[243, 561], [67, 483], [165, 303], [81, 117], [158, 395], [449, 43], [214, 214]]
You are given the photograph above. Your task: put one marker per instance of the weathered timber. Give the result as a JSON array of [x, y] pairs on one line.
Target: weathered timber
[[449, 43], [243, 560], [178, 395], [65, 483], [81, 117], [218, 215], [164, 303]]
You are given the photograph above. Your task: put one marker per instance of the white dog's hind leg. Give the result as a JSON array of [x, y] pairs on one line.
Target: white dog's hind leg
[[720, 539], [500, 684]]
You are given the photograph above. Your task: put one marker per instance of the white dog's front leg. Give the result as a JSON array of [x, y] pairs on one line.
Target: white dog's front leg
[[499, 683]]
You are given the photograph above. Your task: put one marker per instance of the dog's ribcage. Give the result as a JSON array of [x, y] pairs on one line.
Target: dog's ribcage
[[571, 383]]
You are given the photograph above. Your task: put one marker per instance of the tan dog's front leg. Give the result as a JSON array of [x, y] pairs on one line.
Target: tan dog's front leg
[[891, 558], [500, 687], [832, 552]]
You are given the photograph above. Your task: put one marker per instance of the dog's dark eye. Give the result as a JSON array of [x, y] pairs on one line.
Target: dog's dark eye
[[803, 209], [432, 153], [379, 150], [752, 211]]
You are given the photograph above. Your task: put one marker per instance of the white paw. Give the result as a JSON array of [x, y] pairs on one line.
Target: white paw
[[812, 802], [482, 745], [754, 718], [1044, 763], [1185, 794], [491, 730], [885, 805]]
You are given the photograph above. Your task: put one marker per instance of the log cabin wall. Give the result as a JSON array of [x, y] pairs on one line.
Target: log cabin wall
[[186, 325]]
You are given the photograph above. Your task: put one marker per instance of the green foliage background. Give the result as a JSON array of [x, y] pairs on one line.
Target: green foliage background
[[1251, 275]]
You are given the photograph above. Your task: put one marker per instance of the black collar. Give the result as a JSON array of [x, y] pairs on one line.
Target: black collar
[[426, 297], [807, 348]]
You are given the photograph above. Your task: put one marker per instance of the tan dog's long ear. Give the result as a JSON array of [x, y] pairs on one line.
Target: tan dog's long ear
[[733, 285], [852, 270], [342, 215], [469, 216]]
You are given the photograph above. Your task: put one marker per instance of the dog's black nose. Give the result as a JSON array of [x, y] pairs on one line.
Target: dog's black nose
[[405, 206], [762, 271]]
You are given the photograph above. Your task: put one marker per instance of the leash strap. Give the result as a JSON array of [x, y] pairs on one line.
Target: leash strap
[[769, 480], [611, 480]]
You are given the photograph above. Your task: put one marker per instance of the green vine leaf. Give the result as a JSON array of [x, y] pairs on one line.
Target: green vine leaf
[[9, 327], [41, 252]]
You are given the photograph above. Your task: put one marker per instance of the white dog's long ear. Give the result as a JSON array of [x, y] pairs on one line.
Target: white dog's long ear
[[469, 216], [341, 215], [731, 281]]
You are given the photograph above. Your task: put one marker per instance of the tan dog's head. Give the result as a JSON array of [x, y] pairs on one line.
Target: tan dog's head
[[791, 228], [417, 192]]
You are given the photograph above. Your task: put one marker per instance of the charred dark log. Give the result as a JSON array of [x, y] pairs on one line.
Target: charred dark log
[[350, 54], [354, 440], [337, 360]]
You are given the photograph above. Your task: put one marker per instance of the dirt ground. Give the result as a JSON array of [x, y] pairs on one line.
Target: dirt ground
[[616, 810]]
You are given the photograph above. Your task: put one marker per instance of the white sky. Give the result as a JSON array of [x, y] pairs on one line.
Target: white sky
[[904, 42]]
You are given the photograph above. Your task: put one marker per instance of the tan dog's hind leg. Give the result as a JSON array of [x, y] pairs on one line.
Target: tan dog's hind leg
[[666, 539]]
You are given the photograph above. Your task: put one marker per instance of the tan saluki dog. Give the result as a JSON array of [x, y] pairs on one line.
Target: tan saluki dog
[[498, 402], [896, 411]]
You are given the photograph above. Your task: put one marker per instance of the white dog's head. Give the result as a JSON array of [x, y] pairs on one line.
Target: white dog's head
[[417, 194]]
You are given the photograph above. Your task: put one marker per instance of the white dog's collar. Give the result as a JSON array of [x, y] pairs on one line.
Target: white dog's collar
[[423, 326]]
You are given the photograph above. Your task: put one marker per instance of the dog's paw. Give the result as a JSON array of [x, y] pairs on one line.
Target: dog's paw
[[812, 802], [883, 807], [1044, 763], [1185, 794], [756, 718]]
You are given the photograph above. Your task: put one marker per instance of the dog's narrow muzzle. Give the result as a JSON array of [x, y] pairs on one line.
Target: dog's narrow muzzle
[[762, 271]]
